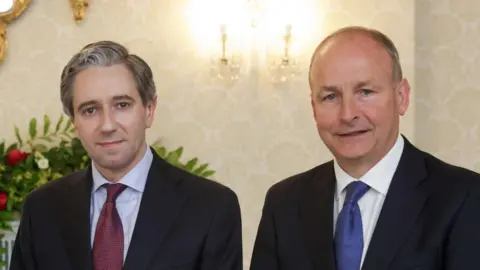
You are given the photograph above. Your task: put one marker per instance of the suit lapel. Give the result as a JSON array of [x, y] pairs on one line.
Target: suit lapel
[[75, 220], [402, 205], [316, 214], [159, 207]]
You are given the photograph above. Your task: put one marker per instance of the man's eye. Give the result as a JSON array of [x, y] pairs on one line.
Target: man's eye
[[330, 97], [366, 92], [89, 111]]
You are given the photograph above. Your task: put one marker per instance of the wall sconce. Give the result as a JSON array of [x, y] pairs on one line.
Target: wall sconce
[[9, 11], [284, 68], [243, 36], [78, 8], [226, 67]]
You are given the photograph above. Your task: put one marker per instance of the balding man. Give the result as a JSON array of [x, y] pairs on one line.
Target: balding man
[[381, 203]]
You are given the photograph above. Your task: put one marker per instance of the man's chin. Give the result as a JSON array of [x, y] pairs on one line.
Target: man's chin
[[352, 153], [110, 162]]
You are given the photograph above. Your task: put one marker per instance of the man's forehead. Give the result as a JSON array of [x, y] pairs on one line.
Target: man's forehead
[[347, 42], [353, 50]]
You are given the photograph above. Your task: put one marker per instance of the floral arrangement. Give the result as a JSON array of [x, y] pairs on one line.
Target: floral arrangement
[[51, 153]]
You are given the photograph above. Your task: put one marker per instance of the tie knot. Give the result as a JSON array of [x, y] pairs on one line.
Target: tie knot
[[113, 190], [355, 190]]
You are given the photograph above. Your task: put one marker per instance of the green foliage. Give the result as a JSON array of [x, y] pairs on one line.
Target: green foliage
[[53, 152], [174, 157]]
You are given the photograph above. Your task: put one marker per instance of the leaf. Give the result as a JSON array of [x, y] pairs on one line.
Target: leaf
[[191, 164], [29, 162], [207, 173], [46, 138], [19, 138], [59, 123], [11, 147], [9, 206], [63, 143], [65, 139], [46, 124], [157, 142], [172, 158], [41, 147], [161, 151], [68, 126], [179, 152], [2, 149], [200, 169], [76, 143], [5, 215], [32, 128]]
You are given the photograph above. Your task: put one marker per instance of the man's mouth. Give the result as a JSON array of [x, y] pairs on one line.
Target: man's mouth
[[353, 133], [110, 143]]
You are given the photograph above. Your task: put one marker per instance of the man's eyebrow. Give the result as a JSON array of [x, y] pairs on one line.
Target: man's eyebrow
[[362, 84], [123, 97], [333, 88], [330, 88], [86, 104]]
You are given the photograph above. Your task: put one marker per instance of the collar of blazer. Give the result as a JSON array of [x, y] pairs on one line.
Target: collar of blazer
[[160, 203], [402, 205]]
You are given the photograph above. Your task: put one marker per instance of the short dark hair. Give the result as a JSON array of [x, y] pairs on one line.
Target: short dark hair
[[105, 53]]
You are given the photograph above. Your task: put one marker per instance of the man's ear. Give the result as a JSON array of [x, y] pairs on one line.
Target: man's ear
[[312, 102], [150, 110], [72, 120], [403, 96]]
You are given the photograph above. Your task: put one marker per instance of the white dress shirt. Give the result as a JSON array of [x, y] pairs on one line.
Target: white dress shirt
[[378, 178], [128, 202]]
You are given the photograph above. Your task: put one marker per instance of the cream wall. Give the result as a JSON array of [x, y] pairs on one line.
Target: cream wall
[[253, 134], [447, 59]]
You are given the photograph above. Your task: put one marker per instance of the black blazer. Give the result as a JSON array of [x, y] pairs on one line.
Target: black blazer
[[184, 222], [430, 220]]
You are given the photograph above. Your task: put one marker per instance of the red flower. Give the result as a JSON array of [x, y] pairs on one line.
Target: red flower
[[16, 156], [3, 200]]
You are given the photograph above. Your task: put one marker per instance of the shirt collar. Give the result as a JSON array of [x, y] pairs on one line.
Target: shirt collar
[[379, 177], [135, 178]]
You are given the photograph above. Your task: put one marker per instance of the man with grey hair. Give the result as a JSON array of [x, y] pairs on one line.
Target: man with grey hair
[[381, 203], [129, 209]]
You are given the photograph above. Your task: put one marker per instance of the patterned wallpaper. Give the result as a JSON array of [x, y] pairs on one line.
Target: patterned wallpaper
[[447, 59], [255, 133]]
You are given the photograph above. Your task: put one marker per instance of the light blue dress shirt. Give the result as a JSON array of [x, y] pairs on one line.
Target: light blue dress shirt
[[128, 202]]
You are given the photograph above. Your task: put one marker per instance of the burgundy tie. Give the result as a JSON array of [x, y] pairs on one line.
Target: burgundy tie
[[108, 242]]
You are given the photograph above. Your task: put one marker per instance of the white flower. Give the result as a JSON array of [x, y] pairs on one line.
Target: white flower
[[42, 163]]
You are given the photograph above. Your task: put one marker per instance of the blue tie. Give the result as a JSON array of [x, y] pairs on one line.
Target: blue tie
[[349, 232]]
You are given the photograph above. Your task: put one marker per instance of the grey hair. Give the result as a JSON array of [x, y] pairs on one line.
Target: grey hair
[[104, 54], [379, 37]]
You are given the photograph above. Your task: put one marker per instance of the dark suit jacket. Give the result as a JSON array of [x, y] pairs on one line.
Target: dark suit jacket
[[430, 220], [184, 222]]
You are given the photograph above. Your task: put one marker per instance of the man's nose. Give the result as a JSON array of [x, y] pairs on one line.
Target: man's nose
[[349, 110], [108, 122]]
